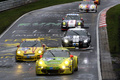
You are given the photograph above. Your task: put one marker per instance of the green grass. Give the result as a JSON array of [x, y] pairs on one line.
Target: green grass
[[9, 16], [113, 27]]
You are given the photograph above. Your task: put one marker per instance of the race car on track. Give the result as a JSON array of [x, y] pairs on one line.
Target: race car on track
[[76, 37], [88, 6], [57, 61], [29, 50], [72, 21], [95, 1]]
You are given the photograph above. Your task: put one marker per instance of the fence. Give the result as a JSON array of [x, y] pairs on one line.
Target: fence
[[4, 5]]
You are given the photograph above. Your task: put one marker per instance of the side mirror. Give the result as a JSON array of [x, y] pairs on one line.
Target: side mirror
[[89, 35], [18, 45], [71, 56], [62, 18], [40, 56], [79, 4], [43, 45], [81, 18]]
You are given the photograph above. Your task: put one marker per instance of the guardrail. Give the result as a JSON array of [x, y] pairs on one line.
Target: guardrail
[[4, 5]]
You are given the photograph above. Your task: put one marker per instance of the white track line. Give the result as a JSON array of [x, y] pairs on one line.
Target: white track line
[[98, 54]]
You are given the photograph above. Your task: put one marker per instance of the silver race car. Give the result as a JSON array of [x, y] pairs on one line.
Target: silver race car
[[72, 21], [76, 37], [88, 6]]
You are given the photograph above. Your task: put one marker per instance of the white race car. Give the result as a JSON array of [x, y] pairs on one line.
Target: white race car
[[88, 6], [72, 21]]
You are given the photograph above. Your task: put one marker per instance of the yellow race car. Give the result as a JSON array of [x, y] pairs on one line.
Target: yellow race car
[[29, 50], [57, 61]]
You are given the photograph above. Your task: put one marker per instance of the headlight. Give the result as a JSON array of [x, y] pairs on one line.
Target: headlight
[[66, 62], [40, 62], [63, 23], [93, 6], [85, 41], [18, 52], [39, 51], [81, 6], [66, 41], [63, 67], [79, 23]]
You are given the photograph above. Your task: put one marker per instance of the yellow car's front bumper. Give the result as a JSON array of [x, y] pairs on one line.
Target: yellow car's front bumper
[[27, 58], [53, 71]]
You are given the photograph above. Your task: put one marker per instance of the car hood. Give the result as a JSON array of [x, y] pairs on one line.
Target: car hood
[[81, 38], [29, 50], [53, 60]]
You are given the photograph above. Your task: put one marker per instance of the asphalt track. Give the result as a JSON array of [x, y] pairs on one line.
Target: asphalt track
[[45, 23]]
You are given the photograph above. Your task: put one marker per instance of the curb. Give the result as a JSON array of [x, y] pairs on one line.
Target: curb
[[107, 72]]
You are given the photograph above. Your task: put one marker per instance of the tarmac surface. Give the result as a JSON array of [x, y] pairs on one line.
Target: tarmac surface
[[45, 23]]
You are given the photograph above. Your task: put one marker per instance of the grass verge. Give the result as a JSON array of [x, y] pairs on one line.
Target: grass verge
[[113, 27], [9, 16]]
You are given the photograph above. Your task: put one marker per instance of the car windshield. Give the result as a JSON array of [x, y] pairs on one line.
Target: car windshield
[[87, 2], [72, 17], [90, 2], [30, 44], [76, 32], [56, 53]]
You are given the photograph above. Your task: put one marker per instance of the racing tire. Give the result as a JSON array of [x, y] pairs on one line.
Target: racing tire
[[79, 10], [76, 69], [72, 70], [95, 10], [37, 74], [82, 26], [64, 45], [16, 60]]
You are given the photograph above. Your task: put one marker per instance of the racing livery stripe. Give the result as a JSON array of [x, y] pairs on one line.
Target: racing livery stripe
[[33, 50]]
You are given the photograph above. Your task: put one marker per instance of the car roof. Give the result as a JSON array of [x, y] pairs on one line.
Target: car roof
[[87, 1]]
